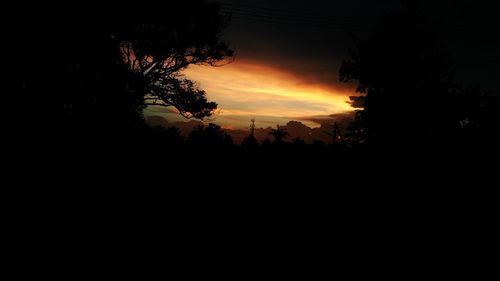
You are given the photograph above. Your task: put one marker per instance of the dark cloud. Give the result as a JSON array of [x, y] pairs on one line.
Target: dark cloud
[[155, 121], [184, 127], [162, 110], [341, 118], [315, 53]]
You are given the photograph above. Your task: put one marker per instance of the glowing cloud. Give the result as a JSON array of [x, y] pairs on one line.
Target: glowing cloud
[[247, 90]]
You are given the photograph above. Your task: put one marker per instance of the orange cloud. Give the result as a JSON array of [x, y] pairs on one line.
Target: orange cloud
[[246, 90]]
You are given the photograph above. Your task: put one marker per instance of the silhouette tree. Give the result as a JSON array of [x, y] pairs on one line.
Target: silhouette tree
[[479, 118], [299, 144], [211, 135], [99, 68], [279, 135], [158, 46], [405, 77], [266, 145], [167, 136], [318, 146]]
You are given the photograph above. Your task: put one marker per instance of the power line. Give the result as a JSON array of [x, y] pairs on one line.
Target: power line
[[288, 17], [305, 17], [301, 25], [285, 18], [280, 11], [289, 23], [285, 14], [293, 16]]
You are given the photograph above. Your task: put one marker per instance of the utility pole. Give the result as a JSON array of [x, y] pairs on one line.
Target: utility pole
[[336, 134]]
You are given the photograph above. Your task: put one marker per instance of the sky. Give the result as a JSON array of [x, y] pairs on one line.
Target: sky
[[288, 54]]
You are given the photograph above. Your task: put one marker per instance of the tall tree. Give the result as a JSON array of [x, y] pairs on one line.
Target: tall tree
[[279, 134], [100, 67], [405, 77], [161, 44], [211, 135]]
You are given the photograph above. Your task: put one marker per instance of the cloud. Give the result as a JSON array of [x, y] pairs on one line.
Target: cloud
[[156, 120], [246, 90], [185, 127], [340, 118], [313, 54], [162, 110]]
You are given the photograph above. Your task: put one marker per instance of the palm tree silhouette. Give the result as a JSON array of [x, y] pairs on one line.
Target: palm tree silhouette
[[279, 134]]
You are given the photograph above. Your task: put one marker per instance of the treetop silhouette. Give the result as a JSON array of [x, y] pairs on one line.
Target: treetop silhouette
[[161, 44], [101, 67], [279, 135], [405, 77]]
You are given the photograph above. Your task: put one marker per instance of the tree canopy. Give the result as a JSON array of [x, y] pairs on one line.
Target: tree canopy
[[405, 77], [100, 67], [279, 134], [159, 45]]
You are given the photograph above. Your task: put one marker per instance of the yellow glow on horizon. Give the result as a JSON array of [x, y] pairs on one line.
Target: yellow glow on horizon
[[246, 89]]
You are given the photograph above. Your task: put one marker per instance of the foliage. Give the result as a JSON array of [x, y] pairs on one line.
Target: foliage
[[405, 77]]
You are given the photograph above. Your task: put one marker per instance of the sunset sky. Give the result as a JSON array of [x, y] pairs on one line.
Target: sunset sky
[[246, 90], [288, 54]]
